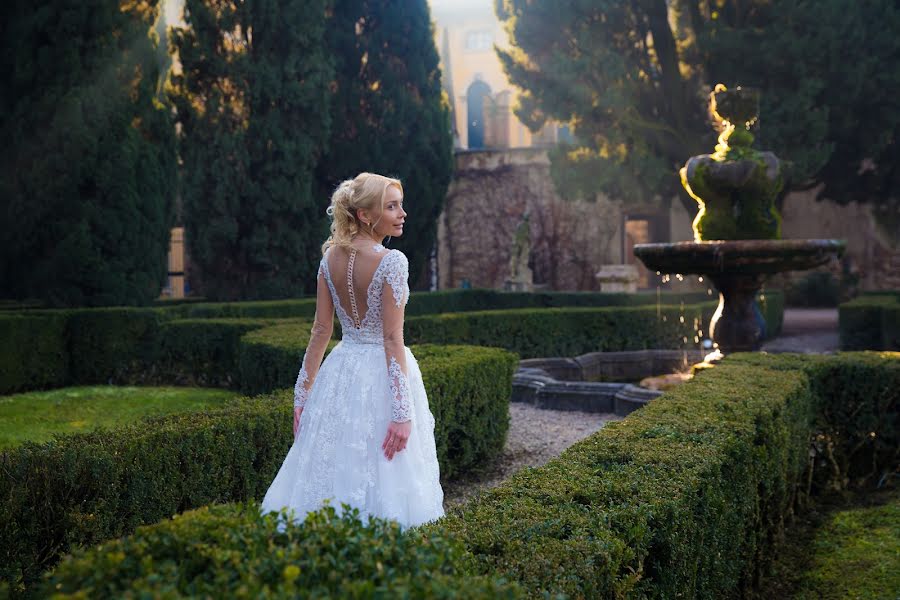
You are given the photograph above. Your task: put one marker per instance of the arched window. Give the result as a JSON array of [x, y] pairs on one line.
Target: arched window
[[475, 96]]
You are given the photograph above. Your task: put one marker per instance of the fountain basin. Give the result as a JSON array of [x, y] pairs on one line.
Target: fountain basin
[[738, 268], [752, 257], [560, 383]]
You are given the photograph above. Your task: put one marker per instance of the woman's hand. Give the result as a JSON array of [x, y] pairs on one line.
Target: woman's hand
[[297, 412], [396, 437]]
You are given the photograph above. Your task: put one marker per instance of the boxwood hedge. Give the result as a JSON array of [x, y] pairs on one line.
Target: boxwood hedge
[[687, 497], [230, 551], [871, 322], [86, 488], [196, 343]]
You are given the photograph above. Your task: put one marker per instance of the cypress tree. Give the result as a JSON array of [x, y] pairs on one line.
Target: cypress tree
[[252, 101], [87, 178], [389, 115]]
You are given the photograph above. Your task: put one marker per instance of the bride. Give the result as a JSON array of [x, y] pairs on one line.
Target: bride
[[363, 431]]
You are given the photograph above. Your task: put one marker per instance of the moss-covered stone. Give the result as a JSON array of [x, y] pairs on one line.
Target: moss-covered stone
[[736, 186]]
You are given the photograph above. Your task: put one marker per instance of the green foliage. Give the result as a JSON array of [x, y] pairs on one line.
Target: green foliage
[[856, 431], [814, 289], [684, 498], [33, 354], [534, 333], [634, 114], [817, 64], [201, 352], [856, 554], [260, 309], [86, 488], [871, 322], [106, 344], [253, 105], [388, 113], [625, 76], [38, 416], [173, 345], [230, 551], [87, 175], [426, 303]]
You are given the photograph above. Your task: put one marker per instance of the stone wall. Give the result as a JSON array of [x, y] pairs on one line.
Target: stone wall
[[874, 255], [490, 192]]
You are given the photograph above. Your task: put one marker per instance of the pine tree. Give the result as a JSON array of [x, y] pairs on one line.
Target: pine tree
[[253, 105], [389, 114], [87, 178], [632, 78]]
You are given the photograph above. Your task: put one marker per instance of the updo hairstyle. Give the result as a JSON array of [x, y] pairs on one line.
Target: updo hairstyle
[[365, 191]]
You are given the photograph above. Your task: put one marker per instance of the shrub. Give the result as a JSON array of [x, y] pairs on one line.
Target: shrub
[[684, 498], [231, 551], [194, 343], [33, 353], [871, 322], [203, 352], [104, 344], [87, 488], [856, 431], [304, 308], [816, 288], [533, 333]]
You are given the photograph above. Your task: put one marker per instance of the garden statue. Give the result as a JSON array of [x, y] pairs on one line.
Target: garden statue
[[520, 277]]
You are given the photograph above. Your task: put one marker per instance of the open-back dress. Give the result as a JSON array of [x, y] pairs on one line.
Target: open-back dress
[[369, 379]]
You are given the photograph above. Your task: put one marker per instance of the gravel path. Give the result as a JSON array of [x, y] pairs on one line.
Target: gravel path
[[535, 436]]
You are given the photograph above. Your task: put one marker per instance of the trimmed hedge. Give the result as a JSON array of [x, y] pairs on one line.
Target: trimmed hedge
[[684, 498], [534, 333], [172, 345], [426, 303], [86, 488], [856, 431], [230, 551], [33, 352], [871, 322], [206, 352]]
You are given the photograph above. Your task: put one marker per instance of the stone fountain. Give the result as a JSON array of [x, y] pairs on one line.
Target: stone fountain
[[738, 227]]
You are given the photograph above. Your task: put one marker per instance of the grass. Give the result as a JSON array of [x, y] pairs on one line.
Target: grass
[[844, 547], [38, 416]]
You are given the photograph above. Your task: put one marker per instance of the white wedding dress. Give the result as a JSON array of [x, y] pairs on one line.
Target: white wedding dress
[[368, 380]]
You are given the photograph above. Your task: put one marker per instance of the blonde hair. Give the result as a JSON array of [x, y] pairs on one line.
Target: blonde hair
[[365, 191]]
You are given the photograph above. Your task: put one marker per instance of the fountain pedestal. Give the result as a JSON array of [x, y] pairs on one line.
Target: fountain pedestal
[[738, 269]]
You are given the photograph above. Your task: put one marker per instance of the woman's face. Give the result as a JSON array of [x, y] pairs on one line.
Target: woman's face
[[392, 215]]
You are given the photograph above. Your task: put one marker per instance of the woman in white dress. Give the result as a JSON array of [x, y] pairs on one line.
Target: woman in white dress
[[363, 431]]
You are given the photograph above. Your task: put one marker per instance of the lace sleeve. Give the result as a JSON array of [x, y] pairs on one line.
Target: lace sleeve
[[319, 336], [301, 387], [394, 296]]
